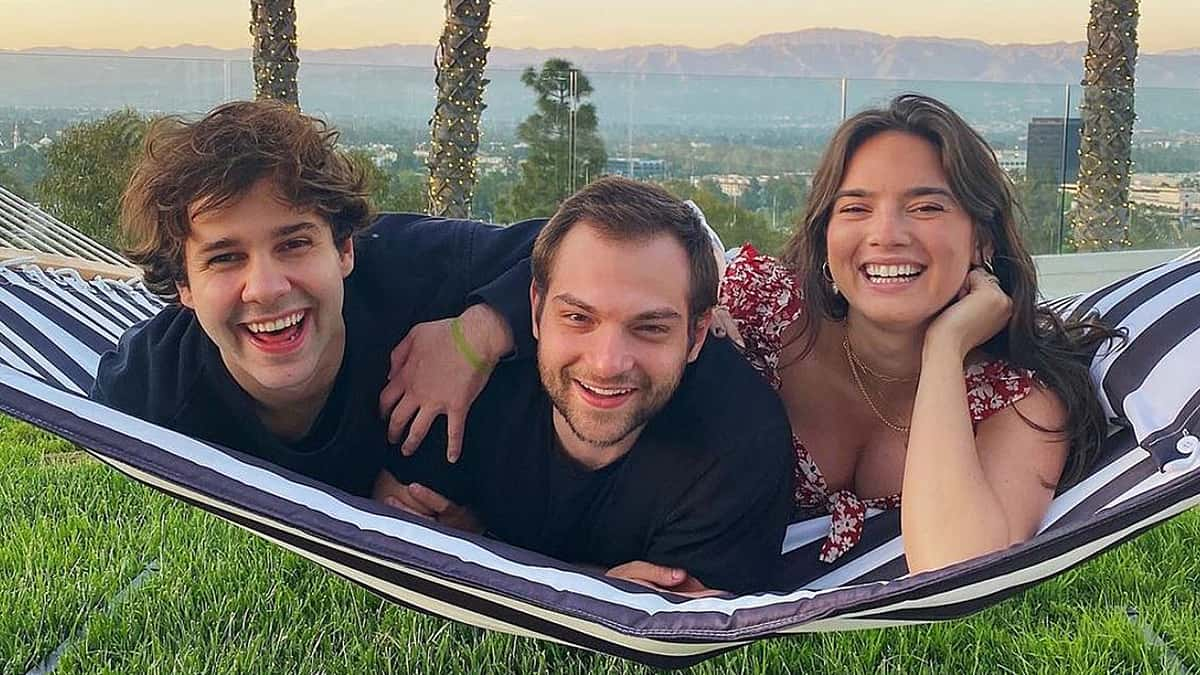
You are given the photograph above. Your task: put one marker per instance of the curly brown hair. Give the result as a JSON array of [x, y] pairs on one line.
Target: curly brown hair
[[191, 168]]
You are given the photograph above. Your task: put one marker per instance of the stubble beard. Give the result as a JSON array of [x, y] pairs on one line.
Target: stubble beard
[[649, 400]]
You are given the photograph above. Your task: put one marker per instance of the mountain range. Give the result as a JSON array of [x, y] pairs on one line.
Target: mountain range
[[815, 53]]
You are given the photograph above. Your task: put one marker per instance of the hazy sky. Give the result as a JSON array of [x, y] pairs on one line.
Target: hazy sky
[[124, 24]]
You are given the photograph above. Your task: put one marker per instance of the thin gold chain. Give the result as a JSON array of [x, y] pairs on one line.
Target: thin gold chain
[[858, 380], [867, 369]]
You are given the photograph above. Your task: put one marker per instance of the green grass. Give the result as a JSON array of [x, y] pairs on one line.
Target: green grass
[[74, 533]]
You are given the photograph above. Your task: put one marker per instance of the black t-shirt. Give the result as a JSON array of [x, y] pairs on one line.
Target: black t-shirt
[[706, 486], [408, 269]]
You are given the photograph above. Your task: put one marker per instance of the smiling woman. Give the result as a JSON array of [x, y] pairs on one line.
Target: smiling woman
[[902, 333]]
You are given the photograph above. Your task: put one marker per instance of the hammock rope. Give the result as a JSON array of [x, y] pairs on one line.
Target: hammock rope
[[26, 227]]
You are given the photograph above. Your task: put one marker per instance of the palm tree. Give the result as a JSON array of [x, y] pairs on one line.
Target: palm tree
[[454, 129], [1101, 214], [273, 25]]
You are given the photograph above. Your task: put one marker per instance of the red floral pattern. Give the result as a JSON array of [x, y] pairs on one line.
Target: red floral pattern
[[764, 298]]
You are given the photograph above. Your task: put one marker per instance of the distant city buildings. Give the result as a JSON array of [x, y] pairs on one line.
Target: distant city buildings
[[381, 154], [1012, 161], [492, 164], [732, 184], [1045, 150], [1172, 192], [636, 168], [18, 140]]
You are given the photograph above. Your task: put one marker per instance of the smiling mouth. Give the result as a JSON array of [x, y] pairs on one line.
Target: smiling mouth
[[891, 274], [602, 391], [604, 397], [279, 332]]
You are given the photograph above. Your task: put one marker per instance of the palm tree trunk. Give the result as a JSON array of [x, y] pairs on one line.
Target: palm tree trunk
[[454, 129], [1100, 219], [273, 25]]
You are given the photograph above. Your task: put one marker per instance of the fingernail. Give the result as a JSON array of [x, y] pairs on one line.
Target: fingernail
[[676, 575], [392, 502]]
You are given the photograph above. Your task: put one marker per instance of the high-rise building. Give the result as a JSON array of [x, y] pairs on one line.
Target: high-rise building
[[1045, 151]]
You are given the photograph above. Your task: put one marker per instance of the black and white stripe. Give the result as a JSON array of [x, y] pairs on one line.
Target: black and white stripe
[[1151, 381], [53, 326]]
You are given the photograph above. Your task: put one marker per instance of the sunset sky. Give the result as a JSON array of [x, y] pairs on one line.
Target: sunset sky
[[124, 24]]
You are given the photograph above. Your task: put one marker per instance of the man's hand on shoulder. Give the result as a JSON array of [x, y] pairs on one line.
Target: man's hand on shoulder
[[439, 368], [662, 578]]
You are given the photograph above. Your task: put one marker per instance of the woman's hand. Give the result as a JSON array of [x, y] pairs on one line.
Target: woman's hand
[[430, 376], [981, 310]]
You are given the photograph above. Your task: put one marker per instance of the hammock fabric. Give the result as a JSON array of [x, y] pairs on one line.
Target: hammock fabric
[[54, 326]]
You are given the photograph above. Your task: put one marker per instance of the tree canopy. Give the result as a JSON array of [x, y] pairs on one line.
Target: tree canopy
[[561, 157], [736, 225], [391, 190], [87, 169]]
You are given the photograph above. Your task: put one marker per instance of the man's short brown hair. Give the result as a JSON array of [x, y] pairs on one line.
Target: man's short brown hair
[[628, 210], [189, 168]]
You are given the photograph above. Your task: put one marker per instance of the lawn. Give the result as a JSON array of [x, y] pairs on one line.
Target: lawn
[[208, 597]]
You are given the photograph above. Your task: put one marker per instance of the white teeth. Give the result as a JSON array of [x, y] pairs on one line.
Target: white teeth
[[605, 392], [277, 324], [891, 271]]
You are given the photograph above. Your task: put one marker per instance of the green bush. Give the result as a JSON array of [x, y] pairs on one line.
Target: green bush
[[87, 169]]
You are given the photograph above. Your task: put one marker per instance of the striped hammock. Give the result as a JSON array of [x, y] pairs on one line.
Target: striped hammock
[[54, 325]]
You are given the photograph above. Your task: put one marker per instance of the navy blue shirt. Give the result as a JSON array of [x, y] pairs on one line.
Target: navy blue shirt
[[707, 486], [408, 269]]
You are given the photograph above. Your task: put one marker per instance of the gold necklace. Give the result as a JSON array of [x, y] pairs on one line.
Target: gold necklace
[[902, 428], [867, 369]]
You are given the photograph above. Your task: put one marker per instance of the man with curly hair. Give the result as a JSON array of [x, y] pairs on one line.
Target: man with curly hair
[[284, 301]]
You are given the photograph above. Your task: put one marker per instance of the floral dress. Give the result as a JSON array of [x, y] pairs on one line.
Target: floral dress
[[764, 298]]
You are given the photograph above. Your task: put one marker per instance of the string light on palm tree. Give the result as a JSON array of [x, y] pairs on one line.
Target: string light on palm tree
[[454, 128], [1100, 219], [276, 61]]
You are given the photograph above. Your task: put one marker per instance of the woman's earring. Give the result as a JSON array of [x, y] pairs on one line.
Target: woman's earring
[[828, 276], [988, 267]]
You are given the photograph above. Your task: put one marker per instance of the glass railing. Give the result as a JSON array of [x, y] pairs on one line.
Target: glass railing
[[1165, 185], [746, 146]]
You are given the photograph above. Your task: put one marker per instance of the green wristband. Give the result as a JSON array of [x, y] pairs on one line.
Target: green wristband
[[464, 347]]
